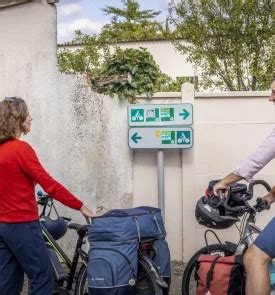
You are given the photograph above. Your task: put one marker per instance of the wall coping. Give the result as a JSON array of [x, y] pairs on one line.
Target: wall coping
[[223, 95], [8, 3]]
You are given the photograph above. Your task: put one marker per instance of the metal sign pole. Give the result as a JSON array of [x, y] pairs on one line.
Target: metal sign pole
[[161, 201]]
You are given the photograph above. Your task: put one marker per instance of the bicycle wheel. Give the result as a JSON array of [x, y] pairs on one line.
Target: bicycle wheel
[[146, 283], [188, 280], [81, 286]]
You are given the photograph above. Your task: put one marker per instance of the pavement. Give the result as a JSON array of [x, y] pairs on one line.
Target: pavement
[[175, 288]]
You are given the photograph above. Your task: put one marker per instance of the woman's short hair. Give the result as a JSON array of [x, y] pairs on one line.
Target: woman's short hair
[[13, 113]]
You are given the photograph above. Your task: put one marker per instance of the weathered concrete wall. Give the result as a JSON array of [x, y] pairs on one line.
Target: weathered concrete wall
[[79, 135], [94, 160]]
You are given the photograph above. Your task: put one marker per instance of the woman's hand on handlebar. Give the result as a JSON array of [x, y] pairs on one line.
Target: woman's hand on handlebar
[[86, 212]]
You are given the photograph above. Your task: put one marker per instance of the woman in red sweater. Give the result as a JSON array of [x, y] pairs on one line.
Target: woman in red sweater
[[22, 247]]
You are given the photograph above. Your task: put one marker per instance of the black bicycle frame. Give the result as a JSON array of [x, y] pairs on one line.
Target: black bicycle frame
[[72, 265]]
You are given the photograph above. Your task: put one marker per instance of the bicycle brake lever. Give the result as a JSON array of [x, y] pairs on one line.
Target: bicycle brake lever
[[250, 207]]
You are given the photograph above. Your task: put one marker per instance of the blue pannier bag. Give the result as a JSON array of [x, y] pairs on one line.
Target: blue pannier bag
[[128, 224], [113, 256], [112, 268]]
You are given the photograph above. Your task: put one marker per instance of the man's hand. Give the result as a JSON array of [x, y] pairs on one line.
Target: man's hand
[[224, 184], [87, 212], [270, 197], [221, 185]]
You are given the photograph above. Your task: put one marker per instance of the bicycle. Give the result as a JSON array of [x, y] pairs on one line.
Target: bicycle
[[148, 281], [247, 230], [64, 284]]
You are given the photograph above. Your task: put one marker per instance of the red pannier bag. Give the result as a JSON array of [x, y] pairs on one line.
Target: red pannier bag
[[218, 275]]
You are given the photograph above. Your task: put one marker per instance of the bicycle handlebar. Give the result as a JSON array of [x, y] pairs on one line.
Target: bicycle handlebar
[[260, 203], [255, 182], [45, 200], [227, 207]]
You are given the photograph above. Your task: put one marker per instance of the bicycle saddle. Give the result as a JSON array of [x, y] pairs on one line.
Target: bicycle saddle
[[80, 228]]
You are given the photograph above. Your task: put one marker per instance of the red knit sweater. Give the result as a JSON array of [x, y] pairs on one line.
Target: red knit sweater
[[20, 170]]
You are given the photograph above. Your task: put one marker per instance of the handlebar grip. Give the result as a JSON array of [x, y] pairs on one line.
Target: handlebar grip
[[261, 205], [255, 182], [39, 193]]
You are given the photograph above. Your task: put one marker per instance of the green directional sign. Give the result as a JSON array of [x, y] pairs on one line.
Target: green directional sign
[[161, 138], [160, 115]]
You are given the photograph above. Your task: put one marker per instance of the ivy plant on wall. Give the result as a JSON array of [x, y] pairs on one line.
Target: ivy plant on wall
[[95, 60]]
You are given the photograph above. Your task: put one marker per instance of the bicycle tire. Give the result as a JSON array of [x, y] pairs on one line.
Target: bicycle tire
[[81, 286], [227, 250], [147, 285]]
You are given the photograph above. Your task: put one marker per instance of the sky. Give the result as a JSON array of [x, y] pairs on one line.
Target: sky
[[86, 15]]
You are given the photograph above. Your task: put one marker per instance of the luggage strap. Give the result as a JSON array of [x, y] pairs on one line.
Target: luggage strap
[[210, 273]]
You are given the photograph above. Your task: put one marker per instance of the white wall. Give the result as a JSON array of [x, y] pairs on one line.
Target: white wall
[[170, 61]]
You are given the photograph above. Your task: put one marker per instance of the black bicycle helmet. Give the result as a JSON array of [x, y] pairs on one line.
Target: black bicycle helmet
[[56, 227], [210, 211], [208, 214]]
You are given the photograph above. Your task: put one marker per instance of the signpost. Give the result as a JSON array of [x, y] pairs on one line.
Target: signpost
[[160, 115], [156, 126]]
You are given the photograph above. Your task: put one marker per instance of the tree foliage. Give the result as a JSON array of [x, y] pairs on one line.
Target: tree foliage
[[87, 58], [229, 41], [130, 12], [130, 23], [167, 84]]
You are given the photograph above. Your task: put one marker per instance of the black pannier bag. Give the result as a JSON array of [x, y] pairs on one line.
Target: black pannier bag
[[113, 256], [58, 271]]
